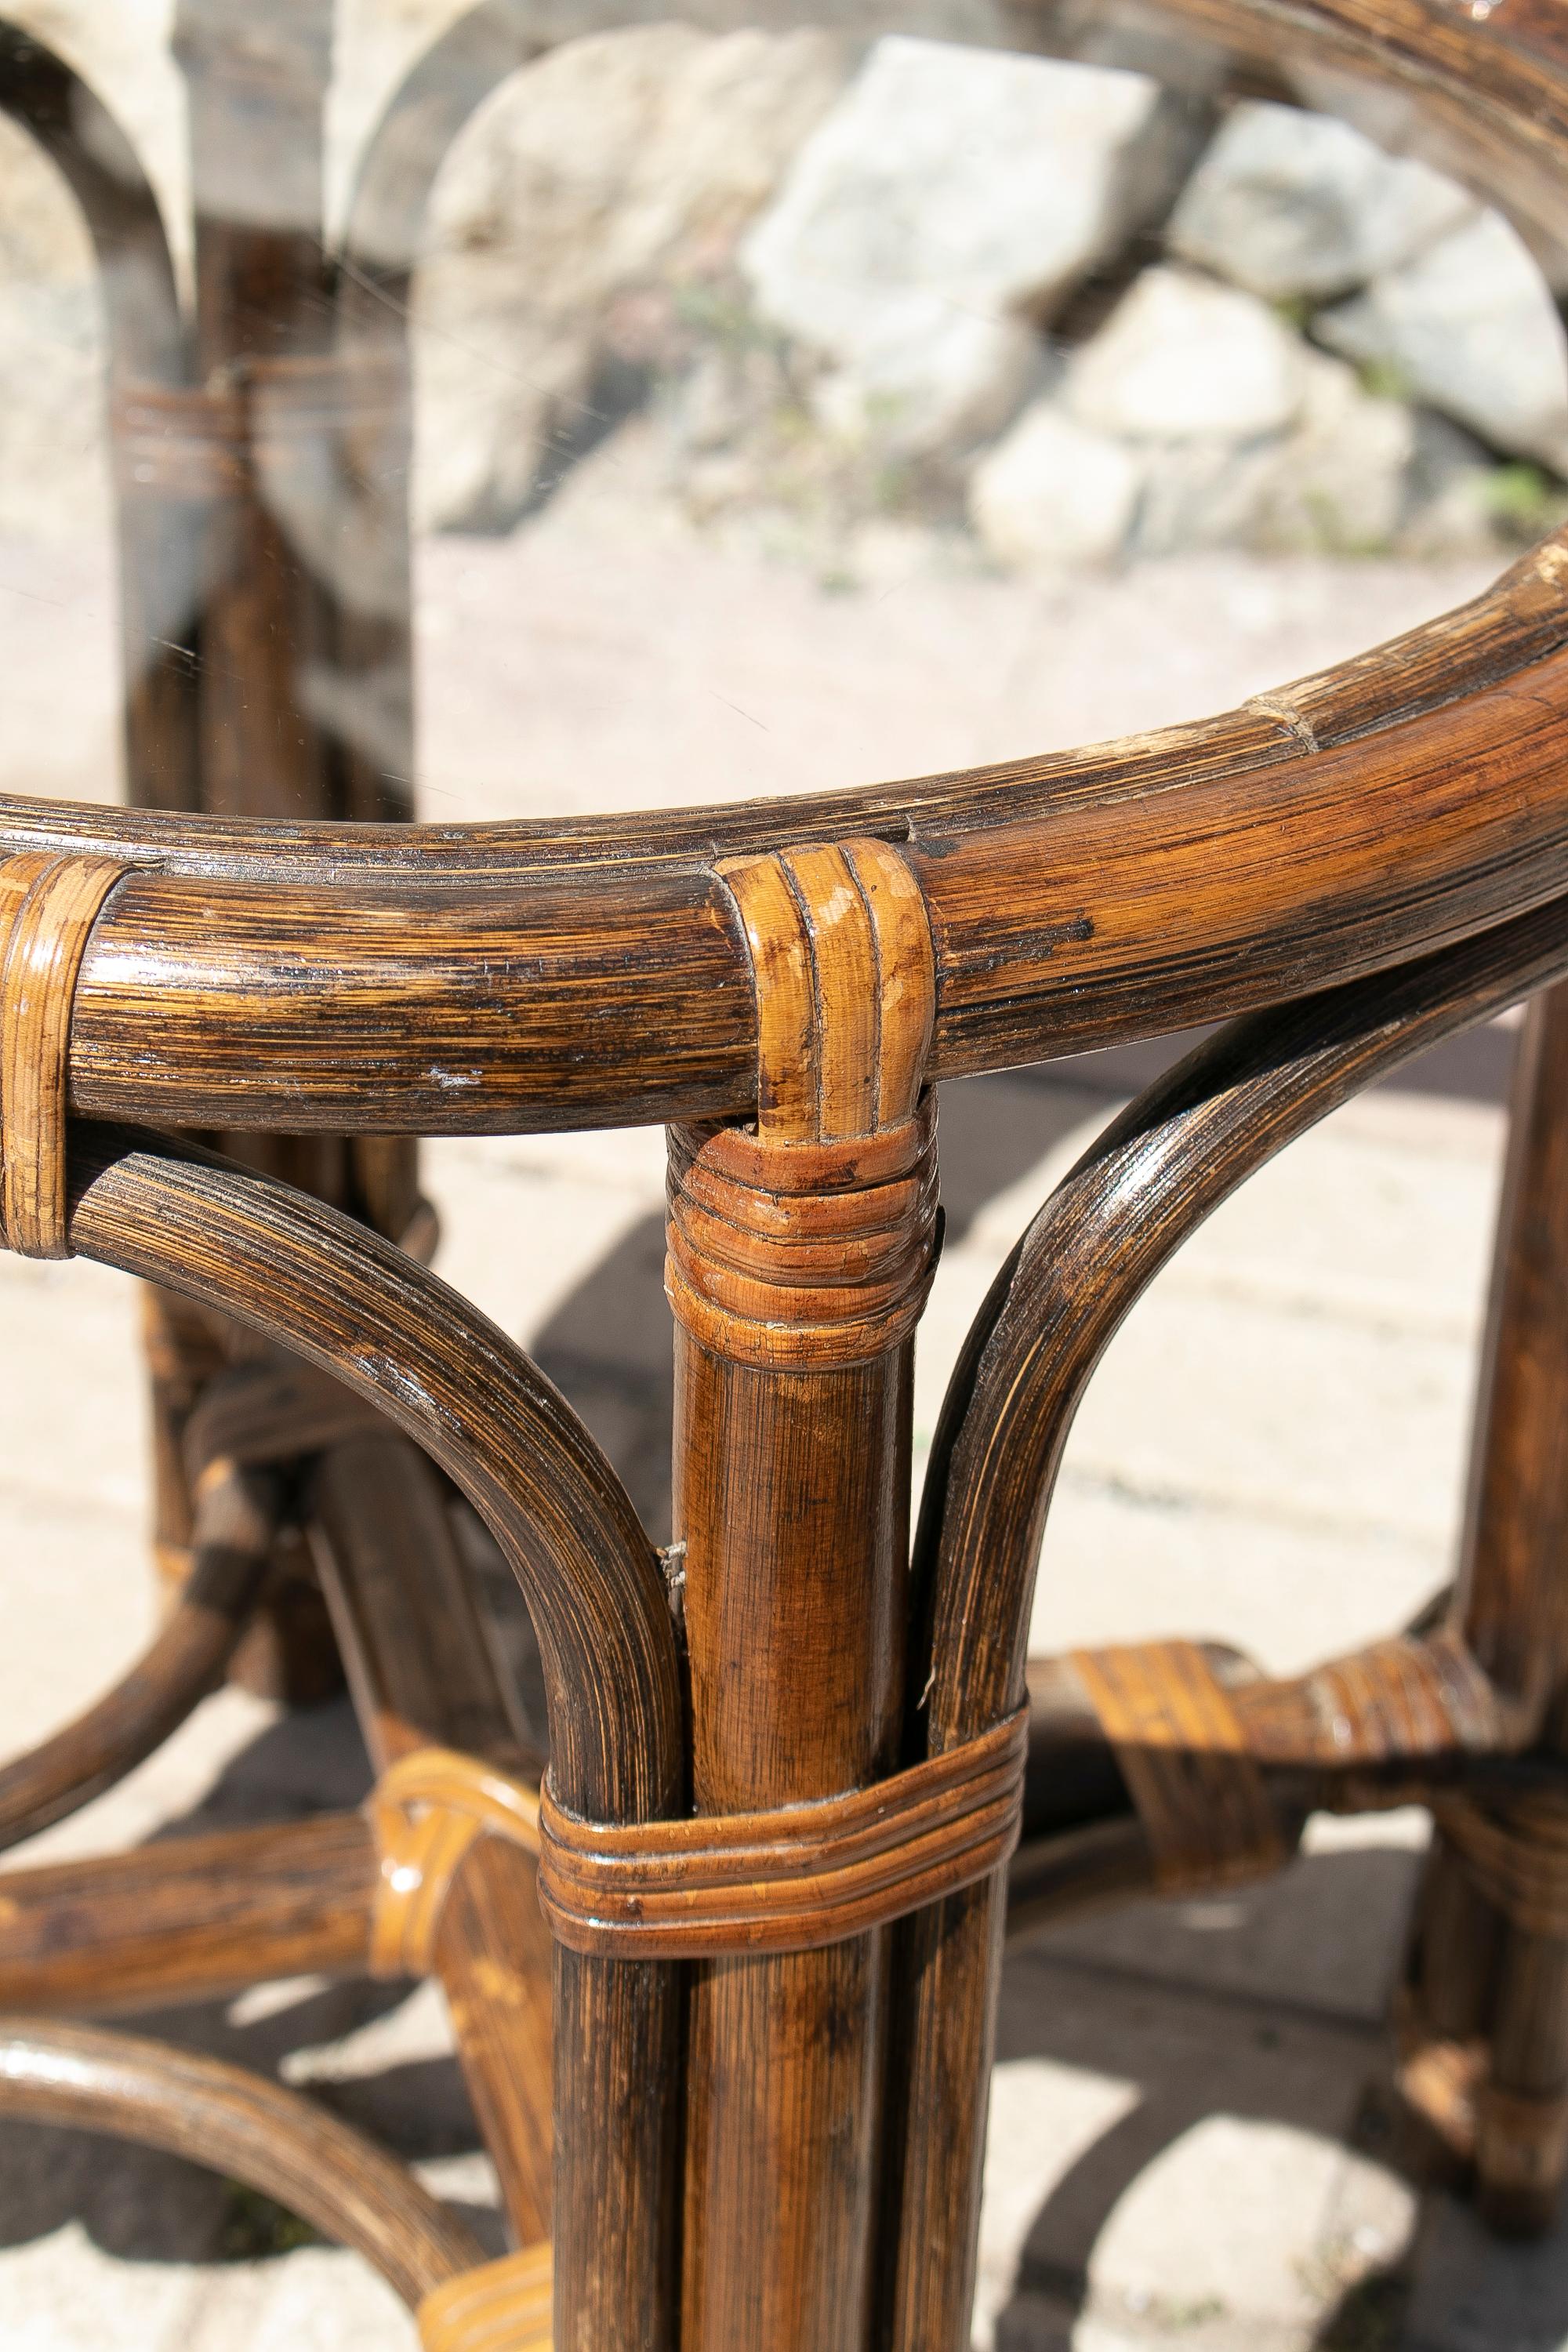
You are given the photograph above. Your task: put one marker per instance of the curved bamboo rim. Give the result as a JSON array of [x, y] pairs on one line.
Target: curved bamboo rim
[[589, 972], [468, 979]]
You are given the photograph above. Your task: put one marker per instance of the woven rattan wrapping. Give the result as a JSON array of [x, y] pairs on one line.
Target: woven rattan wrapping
[[1516, 1850], [1200, 1796], [51, 904], [426, 1812], [791, 1879], [801, 1255], [503, 2307]]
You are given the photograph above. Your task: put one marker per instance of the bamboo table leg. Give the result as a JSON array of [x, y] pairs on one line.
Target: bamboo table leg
[[799, 1264], [1478, 1977]]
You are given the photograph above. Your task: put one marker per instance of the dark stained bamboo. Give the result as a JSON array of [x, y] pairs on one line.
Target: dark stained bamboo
[[596, 972], [272, 2139], [587, 974], [195, 1918], [424, 1675], [1142, 1187], [304, 648], [320, 1284], [257, 98], [83, 138], [1511, 1607], [794, 1688], [792, 1477], [421, 1668]]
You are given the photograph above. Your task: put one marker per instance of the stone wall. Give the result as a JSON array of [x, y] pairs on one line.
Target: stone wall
[[1053, 314]]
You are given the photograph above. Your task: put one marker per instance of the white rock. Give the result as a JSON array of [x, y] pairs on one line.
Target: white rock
[[1336, 483], [589, 187], [1456, 491], [949, 193], [929, 377], [1342, 479], [53, 475], [1181, 358], [1291, 204], [1470, 327], [1054, 492], [1203, 493]]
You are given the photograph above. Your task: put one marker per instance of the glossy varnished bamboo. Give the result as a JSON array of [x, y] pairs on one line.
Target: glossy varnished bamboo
[[1478, 1977], [582, 974], [795, 1513], [194, 1918], [791, 1503], [423, 1674], [252, 2130], [601, 971], [315, 1281], [1141, 1187]]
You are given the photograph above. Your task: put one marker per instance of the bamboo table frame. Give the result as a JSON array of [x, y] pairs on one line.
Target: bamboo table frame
[[724, 1980]]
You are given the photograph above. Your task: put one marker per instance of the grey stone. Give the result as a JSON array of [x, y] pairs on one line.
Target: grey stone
[[1453, 492], [1054, 491], [1183, 359], [1468, 327], [951, 192], [1341, 481], [1203, 493], [1057, 491], [928, 376], [1294, 205], [593, 188]]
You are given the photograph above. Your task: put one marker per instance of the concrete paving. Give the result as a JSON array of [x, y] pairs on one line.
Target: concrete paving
[[1186, 2147]]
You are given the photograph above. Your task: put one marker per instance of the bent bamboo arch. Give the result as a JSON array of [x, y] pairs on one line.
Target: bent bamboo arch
[[1142, 1187], [322, 1286]]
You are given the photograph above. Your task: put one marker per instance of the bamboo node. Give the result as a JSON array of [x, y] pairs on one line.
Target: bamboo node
[[502, 2306]]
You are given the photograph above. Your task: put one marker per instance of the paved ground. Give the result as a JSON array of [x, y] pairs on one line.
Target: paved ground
[[1181, 2150]]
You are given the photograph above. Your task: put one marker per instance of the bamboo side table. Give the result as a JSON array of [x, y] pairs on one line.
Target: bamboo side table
[[722, 1968]]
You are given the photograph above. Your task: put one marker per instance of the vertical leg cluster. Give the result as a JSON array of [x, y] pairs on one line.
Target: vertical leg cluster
[[799, 1258]]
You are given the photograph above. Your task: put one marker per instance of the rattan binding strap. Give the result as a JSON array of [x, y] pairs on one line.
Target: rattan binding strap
[[791, 1879], [500, 2307], [1516, 1851], [426, 1811], [48, 905], [1199, 1795]]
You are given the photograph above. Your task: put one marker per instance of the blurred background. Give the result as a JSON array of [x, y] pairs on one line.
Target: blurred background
[[791, 413]]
